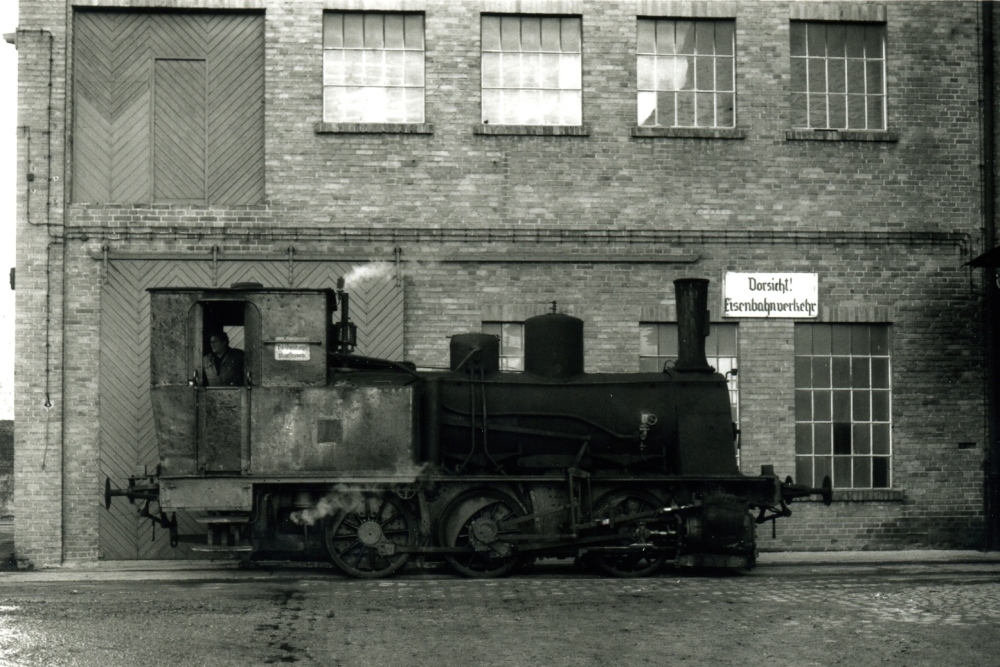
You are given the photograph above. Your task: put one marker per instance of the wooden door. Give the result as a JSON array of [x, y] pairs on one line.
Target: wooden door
[[128, 439]]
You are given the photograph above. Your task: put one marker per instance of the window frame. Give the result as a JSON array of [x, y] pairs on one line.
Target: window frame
[[650, 76], [488, 327], [387, 122], [825, 393], [492, 78], [802, 58]]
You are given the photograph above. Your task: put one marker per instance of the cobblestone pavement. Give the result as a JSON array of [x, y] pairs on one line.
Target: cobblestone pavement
[[900, 614], [912, 594], [967, 596]]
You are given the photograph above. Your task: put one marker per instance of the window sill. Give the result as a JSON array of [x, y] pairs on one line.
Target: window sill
[[861, 496], [374, 128], [533, 130], [841, 135], [645, 132]]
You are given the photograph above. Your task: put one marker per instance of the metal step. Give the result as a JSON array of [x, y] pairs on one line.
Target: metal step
[[221, 549], [222, 520]]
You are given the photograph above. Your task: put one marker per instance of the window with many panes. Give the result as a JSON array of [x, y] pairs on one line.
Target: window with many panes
[[373, 67], [838, 75], [658, 346], [532, 70], [511, 335], [843, 405], [686, 73]]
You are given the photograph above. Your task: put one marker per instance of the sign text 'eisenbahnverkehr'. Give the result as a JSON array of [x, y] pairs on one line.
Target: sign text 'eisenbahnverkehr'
[[792, 295]]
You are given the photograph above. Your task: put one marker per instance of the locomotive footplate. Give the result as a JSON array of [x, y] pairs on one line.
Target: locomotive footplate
[[528, 543], [631, 549]]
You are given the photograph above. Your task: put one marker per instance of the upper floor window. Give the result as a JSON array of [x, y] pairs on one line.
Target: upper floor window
[[373, 67], [838, 76], [532, 70], [843, 405], [511, 335], [686, 73]]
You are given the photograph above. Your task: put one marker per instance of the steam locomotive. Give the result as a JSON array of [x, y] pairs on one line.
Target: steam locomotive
[[372, 463]]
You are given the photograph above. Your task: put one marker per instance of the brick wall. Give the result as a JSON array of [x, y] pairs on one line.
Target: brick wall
[[610, 220], [6, 467], [38, 365]]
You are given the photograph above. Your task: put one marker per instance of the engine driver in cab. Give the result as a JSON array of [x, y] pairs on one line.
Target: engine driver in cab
[[223, 367]]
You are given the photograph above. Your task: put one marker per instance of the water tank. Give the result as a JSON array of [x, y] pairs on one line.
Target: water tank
[[553, 346]]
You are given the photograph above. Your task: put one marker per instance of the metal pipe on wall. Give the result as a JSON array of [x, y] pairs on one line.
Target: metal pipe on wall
[[991, 290]]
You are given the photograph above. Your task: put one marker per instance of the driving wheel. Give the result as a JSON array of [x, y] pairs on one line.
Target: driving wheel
[[364, 539], [635, 561], [479, 522]]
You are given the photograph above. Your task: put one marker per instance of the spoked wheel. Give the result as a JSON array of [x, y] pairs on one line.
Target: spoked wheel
[[477, 521], [637, 562], [364, 539]]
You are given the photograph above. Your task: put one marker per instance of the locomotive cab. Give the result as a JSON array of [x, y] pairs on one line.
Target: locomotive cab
[[355, 424], [205, 428]]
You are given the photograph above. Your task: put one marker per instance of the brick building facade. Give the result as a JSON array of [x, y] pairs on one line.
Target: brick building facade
[[202, 142]]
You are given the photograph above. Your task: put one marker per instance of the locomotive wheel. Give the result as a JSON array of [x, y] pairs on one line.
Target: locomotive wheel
[[475, 521], [363, 540], [636, 563]]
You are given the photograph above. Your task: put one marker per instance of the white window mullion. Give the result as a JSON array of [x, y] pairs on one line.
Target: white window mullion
[[374, 94]]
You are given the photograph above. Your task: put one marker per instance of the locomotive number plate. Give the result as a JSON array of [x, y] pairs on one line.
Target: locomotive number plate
[[291, 352]]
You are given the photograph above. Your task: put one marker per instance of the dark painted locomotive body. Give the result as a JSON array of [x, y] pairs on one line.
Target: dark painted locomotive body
[[373, 463]]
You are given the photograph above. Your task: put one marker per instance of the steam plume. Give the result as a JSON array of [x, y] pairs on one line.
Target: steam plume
[[345, 498], [342, 497], [377, 270], [371, 271]]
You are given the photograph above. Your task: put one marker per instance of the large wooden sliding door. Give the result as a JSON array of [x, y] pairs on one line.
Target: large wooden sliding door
[[168, 107]]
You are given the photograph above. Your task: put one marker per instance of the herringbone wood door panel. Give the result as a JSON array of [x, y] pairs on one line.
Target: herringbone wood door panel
[[219, 117], [179, 114], [128, 439]]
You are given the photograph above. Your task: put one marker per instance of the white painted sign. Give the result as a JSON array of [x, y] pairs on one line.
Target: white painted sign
[[291, 352], [793, 295]]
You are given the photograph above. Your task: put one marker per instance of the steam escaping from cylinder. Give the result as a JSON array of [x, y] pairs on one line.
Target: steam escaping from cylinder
[[341, 498], [344, 497]]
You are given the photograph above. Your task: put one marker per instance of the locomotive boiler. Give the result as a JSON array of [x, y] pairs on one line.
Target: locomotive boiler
[[318, 452]]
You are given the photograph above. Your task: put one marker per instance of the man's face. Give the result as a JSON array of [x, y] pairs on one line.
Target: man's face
[[218, 347]]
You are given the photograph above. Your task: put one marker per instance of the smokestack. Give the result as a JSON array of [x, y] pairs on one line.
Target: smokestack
[[345, 334], [692, 324]]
